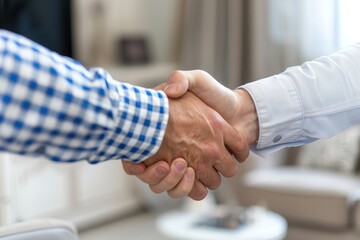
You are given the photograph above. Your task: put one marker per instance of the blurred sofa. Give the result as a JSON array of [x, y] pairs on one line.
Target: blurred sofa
[[39, 229], [318, 203]]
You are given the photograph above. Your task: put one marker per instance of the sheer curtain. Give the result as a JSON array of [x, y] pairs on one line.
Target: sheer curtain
[[292, 32], [212, 38], [243, 40], [349, 20]]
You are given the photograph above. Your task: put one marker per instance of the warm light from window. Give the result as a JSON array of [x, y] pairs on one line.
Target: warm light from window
[[349, 21]]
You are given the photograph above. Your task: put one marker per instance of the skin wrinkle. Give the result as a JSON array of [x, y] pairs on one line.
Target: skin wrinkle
[[197, 138]]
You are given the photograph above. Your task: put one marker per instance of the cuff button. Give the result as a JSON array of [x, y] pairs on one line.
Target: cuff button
[[276, 139]]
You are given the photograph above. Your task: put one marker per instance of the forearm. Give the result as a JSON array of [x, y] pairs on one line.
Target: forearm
[[305, 103], [51, 105]]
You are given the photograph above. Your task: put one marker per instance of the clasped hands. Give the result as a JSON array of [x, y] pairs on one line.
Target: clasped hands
[[209, 128]]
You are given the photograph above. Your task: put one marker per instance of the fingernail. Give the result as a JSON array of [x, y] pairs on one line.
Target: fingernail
[[180, 166], [189, 174], [160, 171]]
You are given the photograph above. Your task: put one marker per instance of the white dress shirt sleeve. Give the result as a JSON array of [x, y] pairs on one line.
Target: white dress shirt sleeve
[[315, 100]]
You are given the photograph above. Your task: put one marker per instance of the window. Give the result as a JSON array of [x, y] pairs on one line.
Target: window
[[349, 20]]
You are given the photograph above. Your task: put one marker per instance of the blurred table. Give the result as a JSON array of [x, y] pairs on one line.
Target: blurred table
[[266, 225]]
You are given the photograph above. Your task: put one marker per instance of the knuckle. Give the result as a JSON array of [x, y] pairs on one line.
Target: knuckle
[[198, 195], [216, 122], [215, 184], [213, 151], [201, 171], [242, 148], [132, 169], [201, 72], [232, 171], [154, 189], [152, 180], [241, 142], [175, 194], [246, 155], [171, 194], [227, 165]]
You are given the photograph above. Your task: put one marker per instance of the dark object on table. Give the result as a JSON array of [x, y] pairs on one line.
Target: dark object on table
[[224, 217]]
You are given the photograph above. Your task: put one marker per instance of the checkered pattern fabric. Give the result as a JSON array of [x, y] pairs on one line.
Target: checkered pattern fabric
[[51, 105]]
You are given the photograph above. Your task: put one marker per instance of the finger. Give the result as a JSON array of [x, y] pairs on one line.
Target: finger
[[132, 168], [199, 191], [208, 176], [236, 142], [177, 170], [227, 165], [219, 154], [185, 185], [154, 173]]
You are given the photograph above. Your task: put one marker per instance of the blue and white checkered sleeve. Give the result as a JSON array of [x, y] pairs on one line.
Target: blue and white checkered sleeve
[[51, 105]]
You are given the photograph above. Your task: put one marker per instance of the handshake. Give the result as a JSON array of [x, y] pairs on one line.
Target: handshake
[[210, 127]]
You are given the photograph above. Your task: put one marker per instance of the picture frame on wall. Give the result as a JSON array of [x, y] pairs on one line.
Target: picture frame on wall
[[134, 51]]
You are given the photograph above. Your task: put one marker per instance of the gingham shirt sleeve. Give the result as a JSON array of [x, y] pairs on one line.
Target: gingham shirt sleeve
[[51, 105]]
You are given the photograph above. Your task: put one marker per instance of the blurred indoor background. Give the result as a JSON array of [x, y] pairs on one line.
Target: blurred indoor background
[[141, 42]]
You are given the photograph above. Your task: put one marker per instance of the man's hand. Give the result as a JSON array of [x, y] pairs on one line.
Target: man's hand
[[178, 179], [203, 138], [235, 106]]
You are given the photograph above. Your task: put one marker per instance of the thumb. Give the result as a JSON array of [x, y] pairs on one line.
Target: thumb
[[177, 84], [209, 90]]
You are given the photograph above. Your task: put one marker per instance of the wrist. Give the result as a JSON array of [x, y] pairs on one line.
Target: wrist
[[249, 122]]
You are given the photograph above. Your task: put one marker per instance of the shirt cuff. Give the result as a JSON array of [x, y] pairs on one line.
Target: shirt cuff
[[140, 124], [279, 110], [144, 127]]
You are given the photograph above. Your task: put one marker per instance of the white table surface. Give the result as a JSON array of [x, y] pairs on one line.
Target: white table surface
[[181, 225]]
